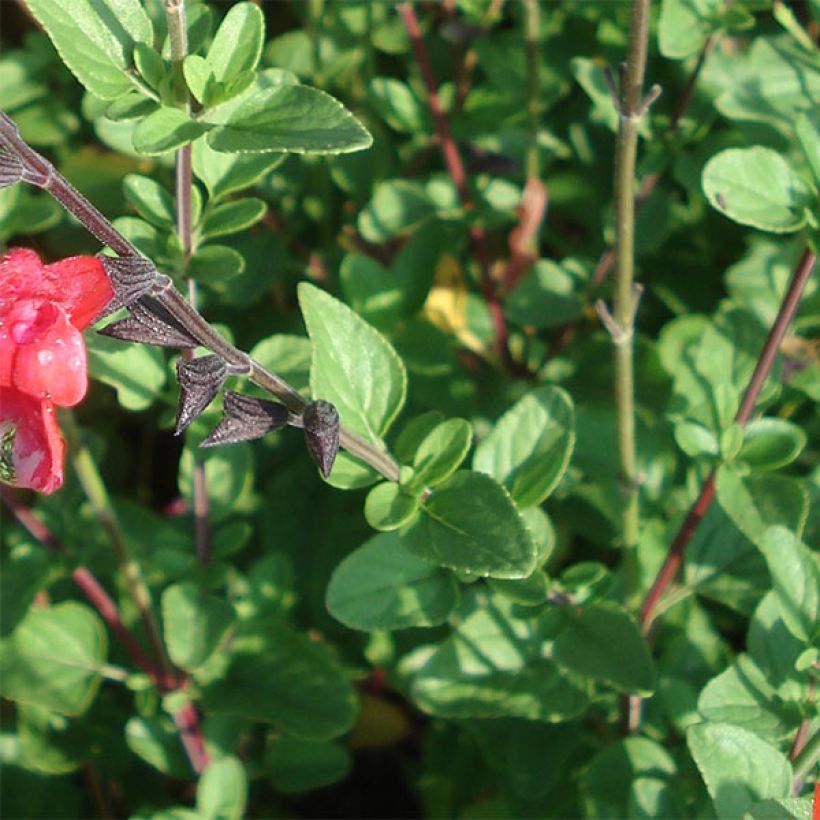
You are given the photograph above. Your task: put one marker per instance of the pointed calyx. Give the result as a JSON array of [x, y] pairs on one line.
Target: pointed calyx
[[150, 322], [321, 423], [246, 418], [199, 381], [132, 277]]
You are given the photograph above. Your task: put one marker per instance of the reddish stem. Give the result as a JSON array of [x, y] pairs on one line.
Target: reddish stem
[[186, 718], [455, 167], [764, 365]]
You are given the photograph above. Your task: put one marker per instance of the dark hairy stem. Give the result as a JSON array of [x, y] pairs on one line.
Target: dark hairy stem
[[38, 171], [185, 718], [455, 167], [178, 38]]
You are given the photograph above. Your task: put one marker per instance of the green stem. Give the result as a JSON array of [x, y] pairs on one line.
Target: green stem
[[178, 38], [626, 149], [531, 17]]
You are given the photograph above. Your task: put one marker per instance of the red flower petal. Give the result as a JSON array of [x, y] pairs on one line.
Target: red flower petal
[[79, 284], [31, 447], [50, 361]]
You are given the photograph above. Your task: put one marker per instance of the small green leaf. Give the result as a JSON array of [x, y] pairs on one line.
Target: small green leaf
[[222, 792], [771, 443], [807, 131], [95, 39], [136, 372], [54, 658], [198, 76], [756, 186], [156, 741], [284, 678], [381, 585], [530, 446], [130, 106], [757, 502], [695, 440], [398, 206], [731, 440], [601, 641], [150, 199], [294, 118], [194, 623], [295, 765], [228, 470], [738, 767], [150, 65], [388, 506], [371, 290], [470, 523], [530, 591], [25, 572], [796, 575], [441, 451], [237, 44], [233, 217], [225, 173], [548, 296], [215, 264], [684, 25], [396, 104], [414, 432], [353, 365], [287, 356], [165, 130]]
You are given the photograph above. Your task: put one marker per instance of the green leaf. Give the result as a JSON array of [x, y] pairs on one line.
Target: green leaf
[[165, 130], [439, 454], [215, 264], [388, 506], [372, 291], [398, 206], [548, 296], [25, 571], [150, 65], [150, 199], [396, 104], [796, 577], [695, 440], [198, 76], [590, 76], [54, 658], [493, 665], [413, 433], [95, 39], [381, 585], [233, 217], [786, 808], [757, 502], [470, 523], [294, 118], [288, 356], [130, 106], [353, 366], [738, 767], [225, 173], [608, 781], [601, 641], [222, 792], [415, 265], [194, 623], [807, 131], [684, 25], [288, 680], [156, 741], [757, 187], [294, 765], [530, 591], [228, 471], [237, 44], [136, 372], [530, 446], [771, 443]]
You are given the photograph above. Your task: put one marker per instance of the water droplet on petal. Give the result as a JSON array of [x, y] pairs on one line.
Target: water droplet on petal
[[45, 357]]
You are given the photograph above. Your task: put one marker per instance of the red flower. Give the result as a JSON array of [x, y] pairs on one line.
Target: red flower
[[43, 309]]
